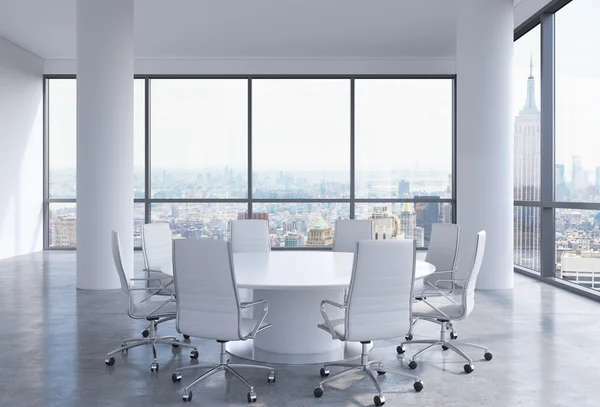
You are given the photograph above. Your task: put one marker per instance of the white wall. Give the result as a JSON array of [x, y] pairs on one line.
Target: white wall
[[21, 151], [275, 66]]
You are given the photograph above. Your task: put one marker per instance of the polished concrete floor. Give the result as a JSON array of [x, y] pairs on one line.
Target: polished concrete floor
[[54, 340]]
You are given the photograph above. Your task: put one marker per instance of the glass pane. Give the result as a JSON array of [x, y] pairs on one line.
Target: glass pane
[[62, 138], [301, 224], [139, 210], [199, 138], [578, 246], [527, 237], [301, 138], [62, 130], [404, 220], [62, 228], [198, 220], [139, 137], [403, 138], [577, 89], [526, 69]]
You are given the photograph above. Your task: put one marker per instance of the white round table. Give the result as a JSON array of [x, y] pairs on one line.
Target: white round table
[[294, 283]]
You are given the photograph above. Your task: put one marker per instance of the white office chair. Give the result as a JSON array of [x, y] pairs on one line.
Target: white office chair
[[444, 310], [378, 306], [208, 306], [142, 305], [442, 253], [157, 248], [249, 236], [348, 232]]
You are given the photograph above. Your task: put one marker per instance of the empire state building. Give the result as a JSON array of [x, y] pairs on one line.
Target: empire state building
[[527, 180]]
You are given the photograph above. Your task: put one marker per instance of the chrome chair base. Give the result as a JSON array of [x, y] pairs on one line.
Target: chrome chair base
[[151, 340], [366, 367], [454, 345], [224, 364]]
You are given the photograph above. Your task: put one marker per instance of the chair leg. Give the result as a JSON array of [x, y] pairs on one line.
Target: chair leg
[[139, 342], [460, 352], [202, 377], [371, 376], [340, 374], [484, 348]]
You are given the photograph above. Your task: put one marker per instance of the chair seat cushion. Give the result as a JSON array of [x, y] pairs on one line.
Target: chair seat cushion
[[338, 325], [164, 280], [423, 310]]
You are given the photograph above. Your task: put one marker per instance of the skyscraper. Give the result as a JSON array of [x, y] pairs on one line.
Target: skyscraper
[[597, 183], [527, 179], [428, 213], [577, 176], [403, 189], [527, 147]]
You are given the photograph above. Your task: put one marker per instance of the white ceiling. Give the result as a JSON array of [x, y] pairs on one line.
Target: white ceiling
[[250, 28]]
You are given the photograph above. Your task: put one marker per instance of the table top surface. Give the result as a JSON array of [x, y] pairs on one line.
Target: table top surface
[[301, 269]]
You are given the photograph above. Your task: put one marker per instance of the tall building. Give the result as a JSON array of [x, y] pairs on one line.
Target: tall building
[[408, 220], [320, 234], [255, 215], [403, 188], [527, 147], [428, 213], [577, 184], [527, 179], [385, 224], [65, 231], [597, 183], [293, 240]]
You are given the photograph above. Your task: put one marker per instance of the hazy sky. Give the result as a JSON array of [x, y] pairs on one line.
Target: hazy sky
[[577, 82], [304, 124]]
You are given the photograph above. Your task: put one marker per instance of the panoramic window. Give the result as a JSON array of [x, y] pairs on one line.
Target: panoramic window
[[298, 135], [527, 149]]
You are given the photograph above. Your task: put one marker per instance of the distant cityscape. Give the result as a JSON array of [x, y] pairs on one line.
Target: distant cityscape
[[577, 238], [291, 224]]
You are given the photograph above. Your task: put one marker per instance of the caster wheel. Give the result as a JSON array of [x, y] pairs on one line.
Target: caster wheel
[[176, 377], [271, 378], [175, 344], [380, 372], [145, 333], [187, 396], [412, 364], [379, 400], [324, 372], [444, 347], [154, 367], [194, 354], [109, 361], [251, 397], [186, 336], [400, 349], [418, 386], [469, 368], [488, 356], [453, 335], [318, 391], [409, 337]]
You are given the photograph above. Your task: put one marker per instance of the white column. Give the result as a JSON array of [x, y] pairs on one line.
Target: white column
[[105, 46], [485, 136]]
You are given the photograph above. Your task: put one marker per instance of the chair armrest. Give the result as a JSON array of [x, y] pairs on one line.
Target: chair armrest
[[153, 290], [245, 305], [326, 317]]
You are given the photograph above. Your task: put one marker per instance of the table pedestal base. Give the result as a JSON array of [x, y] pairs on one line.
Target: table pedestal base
[[246, 350], [294, 337]]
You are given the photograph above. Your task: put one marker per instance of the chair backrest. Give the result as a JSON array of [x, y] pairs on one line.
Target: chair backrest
[[473, 273], [205, 287], [348, 232], [157, 246], [443, 249], [250, 236], [116, 252], [380, 293]]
